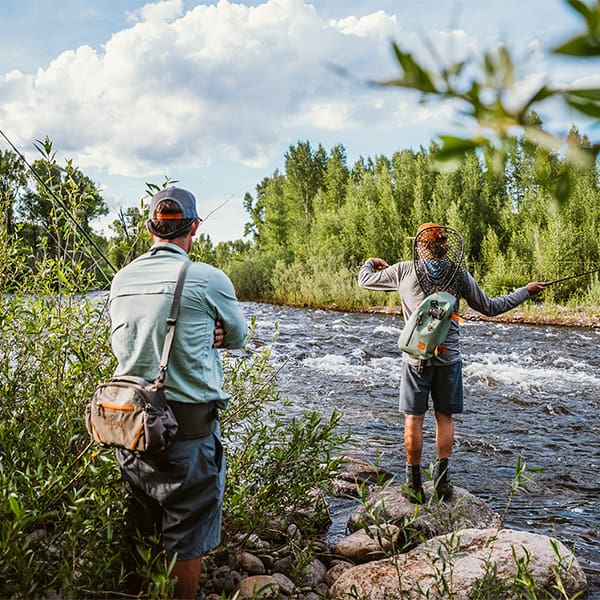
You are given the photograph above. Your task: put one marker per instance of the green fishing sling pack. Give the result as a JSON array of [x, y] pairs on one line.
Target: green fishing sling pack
[[425, 331]]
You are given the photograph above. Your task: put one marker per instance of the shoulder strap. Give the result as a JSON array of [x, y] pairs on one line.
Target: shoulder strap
[[171, 322]]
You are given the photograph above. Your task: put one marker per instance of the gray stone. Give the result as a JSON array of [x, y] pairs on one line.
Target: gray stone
[[284, 565], [286, 585], [353, 472], [310, 595], [267, 560], [315, 573], [360, 546], [250, 564]]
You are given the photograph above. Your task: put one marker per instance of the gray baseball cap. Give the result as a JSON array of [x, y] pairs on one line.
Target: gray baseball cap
[[185, 200]]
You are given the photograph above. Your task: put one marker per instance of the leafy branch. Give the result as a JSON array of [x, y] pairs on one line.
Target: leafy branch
[[485, 96]]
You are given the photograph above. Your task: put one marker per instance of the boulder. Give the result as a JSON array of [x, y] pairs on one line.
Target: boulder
[[336, 569], [315, 573], [286, 585], [454, 564], [427, 520], [250, 563]]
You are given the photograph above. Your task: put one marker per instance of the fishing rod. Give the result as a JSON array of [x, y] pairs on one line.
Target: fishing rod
[[82, 230], [571, 277]]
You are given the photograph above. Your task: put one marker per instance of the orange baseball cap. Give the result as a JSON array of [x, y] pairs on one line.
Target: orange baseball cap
[[432, 232]]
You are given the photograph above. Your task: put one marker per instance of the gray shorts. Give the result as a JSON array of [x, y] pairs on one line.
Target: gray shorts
[[180, 492], [443, 382]]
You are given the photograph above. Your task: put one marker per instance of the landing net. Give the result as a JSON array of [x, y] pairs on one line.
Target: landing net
[[438, 254]]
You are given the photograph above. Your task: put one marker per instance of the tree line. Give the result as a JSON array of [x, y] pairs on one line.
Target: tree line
[[312, 225]]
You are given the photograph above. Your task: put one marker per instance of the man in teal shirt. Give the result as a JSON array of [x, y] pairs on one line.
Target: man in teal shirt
[[180, 490]]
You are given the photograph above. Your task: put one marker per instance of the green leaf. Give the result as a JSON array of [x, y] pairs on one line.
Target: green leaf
[[507, 63], [586, 101], [543, 93], [563, 187], [62, 276], [15, 507], [588, 14], [454, 148], [415, 76], [582, 45], [591, 109], [588, 94]]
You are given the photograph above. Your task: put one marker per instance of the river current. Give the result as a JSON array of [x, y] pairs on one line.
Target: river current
[[530, 391]]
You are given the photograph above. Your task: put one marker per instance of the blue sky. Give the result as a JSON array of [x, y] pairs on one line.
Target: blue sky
[[214, 93]]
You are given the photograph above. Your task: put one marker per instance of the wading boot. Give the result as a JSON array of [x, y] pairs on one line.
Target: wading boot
[[413, 488], [441, 479]]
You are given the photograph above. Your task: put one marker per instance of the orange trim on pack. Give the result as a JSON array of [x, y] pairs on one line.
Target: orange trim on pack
[[137, 438], [457, 317], [116, 406]]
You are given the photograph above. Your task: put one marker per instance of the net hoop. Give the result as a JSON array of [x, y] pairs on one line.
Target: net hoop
[[438, 253]]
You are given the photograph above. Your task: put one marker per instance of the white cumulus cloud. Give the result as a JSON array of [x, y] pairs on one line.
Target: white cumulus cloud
[[180, 87]]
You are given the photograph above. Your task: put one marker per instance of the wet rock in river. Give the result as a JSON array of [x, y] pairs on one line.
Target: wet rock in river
[[418, 521]]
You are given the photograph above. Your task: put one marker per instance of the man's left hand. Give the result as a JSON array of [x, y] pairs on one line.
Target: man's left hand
[[219, 333]]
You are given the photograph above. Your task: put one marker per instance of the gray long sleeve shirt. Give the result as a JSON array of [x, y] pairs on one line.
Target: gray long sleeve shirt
[[401, 277]]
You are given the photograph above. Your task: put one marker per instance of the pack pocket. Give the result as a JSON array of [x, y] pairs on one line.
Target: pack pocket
[[130, 413]]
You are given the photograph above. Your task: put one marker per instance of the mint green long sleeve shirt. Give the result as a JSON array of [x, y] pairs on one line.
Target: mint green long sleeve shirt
[[140, 300]]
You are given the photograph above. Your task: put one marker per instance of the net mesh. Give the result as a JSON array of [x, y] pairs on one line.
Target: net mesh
[[438, 254]]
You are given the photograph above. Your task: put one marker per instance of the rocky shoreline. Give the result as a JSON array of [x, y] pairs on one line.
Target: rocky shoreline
[[394, 550]]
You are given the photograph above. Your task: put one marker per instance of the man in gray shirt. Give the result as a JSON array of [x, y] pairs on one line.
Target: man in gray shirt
[[440, 376]]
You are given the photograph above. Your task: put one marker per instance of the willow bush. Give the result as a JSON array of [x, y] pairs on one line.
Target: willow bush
[[62, 506], [63, 518]]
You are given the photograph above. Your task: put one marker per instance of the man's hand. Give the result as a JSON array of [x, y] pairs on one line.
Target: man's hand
[[534, 287], [378, 263], [219, 333]]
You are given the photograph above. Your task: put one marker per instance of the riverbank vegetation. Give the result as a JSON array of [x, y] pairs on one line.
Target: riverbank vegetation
[[63, 512], [315, 223], [312, 225]]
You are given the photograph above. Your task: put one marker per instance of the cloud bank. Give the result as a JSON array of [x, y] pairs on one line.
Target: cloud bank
[[225, 80]]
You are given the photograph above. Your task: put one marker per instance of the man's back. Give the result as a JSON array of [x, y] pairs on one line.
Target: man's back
[[140, 299]]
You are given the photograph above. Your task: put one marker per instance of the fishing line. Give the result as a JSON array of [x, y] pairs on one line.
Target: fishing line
[[214, 210], [60, 203]]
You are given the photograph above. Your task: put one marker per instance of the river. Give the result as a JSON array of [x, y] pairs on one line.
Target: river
[[530, 391]]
